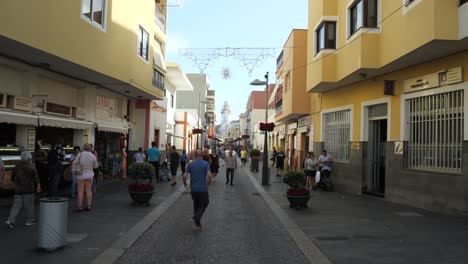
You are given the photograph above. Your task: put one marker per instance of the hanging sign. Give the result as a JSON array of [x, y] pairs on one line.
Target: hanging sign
[[23, 103]]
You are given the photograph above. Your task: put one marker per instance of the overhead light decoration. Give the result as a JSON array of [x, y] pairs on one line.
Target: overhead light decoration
[[226, 72]]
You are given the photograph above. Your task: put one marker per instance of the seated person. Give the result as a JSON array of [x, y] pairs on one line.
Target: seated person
[[165, 172]]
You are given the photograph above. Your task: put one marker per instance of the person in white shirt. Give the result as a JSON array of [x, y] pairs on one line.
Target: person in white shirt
[[325, 161], [85, 180], [140, 156]]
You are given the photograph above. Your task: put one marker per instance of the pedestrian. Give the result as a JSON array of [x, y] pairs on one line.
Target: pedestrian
[[139, 157], [88, 164], [273, 157], [222, 156], [54, 163], [26, 178], [243, 154], [153, 156], [214, 164], [310, 165], [200, 178], [96, 171], [183, 161], [206, 155], [174, 159], [280, 156], [75, 155], [231, 165], [325, 161]]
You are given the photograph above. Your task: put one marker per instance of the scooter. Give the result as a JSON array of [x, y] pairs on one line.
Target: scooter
[[325, 182]]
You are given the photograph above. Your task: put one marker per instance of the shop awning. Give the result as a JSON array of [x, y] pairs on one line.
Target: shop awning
[[18, 118], [114, 129], [63, 122]]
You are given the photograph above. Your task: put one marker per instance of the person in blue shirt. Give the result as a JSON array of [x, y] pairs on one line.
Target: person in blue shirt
[[200, 178], [183, 161], [153, 157]]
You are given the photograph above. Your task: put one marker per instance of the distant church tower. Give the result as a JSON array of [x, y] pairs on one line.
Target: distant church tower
[[225, 117]]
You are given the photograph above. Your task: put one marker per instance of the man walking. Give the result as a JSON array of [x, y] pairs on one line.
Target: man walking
[[153, 156], [231, 165], [174, 158], [200, 178]]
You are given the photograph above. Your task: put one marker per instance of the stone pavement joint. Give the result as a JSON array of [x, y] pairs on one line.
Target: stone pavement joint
[[310, 250], [119, 247]]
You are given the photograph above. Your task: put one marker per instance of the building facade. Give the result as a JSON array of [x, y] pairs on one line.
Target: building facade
[[74, 73], [392, 82]]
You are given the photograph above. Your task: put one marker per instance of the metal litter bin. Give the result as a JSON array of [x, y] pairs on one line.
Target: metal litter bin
[[53, 223]]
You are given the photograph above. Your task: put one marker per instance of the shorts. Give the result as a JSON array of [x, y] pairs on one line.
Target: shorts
[[174, 170], [214, 169], [309, 173]]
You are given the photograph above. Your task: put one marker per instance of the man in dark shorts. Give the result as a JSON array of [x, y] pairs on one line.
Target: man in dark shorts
[[280, 163], [200, 178], [174, 159]]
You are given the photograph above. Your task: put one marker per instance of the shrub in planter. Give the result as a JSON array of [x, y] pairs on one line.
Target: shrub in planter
[[141, 189], [297, 195]]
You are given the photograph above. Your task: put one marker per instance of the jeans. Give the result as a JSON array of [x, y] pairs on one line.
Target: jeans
[[20, 201], [73, 186], [200, 202], [156, 169], [229, 172]]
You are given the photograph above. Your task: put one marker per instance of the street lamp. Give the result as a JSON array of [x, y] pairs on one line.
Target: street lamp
[[265, 176], [200, 102]]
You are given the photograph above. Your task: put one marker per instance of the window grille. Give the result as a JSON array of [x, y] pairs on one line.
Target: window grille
[[436, 132], [337, 131]]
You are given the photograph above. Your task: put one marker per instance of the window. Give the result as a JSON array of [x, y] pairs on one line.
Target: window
[[363, 13], [336, 134], [158, 79], [93, 11], [172, 101], [143, 41], [326, 36], [436, 132]]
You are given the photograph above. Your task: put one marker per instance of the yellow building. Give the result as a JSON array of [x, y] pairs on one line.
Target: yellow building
[[391, 75], [80, 71], [292, 103]]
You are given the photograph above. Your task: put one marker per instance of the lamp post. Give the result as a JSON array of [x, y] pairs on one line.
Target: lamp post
[[265, 176], [200, 102]]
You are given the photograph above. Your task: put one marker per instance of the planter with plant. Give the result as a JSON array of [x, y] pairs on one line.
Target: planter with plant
[[141, 188], [298, 196], [254, 156]]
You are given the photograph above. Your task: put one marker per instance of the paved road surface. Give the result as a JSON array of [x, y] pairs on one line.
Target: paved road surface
[[238, 227]]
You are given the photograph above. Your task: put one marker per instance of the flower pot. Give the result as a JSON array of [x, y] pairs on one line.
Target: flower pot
[[141, 197], [298, 202]]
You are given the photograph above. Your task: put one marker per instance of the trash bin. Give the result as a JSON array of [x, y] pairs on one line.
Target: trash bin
[[53, 223]]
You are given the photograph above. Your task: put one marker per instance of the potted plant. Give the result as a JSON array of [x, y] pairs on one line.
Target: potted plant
[[298, 196], [141, 188], [254, 156]]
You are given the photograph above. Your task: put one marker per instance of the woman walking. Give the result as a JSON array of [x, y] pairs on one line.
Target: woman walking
[[174, 159], [26, 179], [88, 163], [280, 156], [214, 164]]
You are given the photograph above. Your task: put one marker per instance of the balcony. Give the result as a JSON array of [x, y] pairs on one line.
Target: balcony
[[160, 18], [279, 60], [279, 108], [210, 108], [210, 94], [158, 81]]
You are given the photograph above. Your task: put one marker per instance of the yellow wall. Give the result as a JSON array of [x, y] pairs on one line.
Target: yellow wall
[[295, 98], [373, 89], [56, 27], [399, 35]]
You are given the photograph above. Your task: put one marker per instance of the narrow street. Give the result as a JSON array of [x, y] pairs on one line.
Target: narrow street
[[238, 227]]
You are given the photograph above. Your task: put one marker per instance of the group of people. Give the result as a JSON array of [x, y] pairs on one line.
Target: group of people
[[28, 184], [316, 168]]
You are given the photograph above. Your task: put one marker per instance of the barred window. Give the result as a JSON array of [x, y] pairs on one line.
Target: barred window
[[336, 134], [436, 132]]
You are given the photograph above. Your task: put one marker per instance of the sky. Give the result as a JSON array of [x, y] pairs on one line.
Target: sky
[[234, 24]]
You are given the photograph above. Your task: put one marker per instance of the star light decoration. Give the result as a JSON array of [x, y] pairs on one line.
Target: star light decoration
[[226, 72]]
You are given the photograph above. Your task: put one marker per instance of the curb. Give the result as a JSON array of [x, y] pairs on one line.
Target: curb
[[310, 250], [122, 244]]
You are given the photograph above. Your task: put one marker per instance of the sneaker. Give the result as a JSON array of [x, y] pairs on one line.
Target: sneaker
[[30, 223], [10, 224], [195, 225]]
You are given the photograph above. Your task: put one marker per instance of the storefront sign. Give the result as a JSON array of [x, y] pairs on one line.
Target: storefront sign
[[80, 113], [3, 100], [57, 109], [398, 148], [31, 139], [23, 103], [305, 121], [105, 107], [292, 125], [355, 145], [433, 80]]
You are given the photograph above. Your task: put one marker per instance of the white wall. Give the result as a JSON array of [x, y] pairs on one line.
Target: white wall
[[463, 21]]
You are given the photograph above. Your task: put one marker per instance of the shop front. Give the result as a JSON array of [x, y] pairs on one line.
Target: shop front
[[292, 145], [111, 144], [303, 138]]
